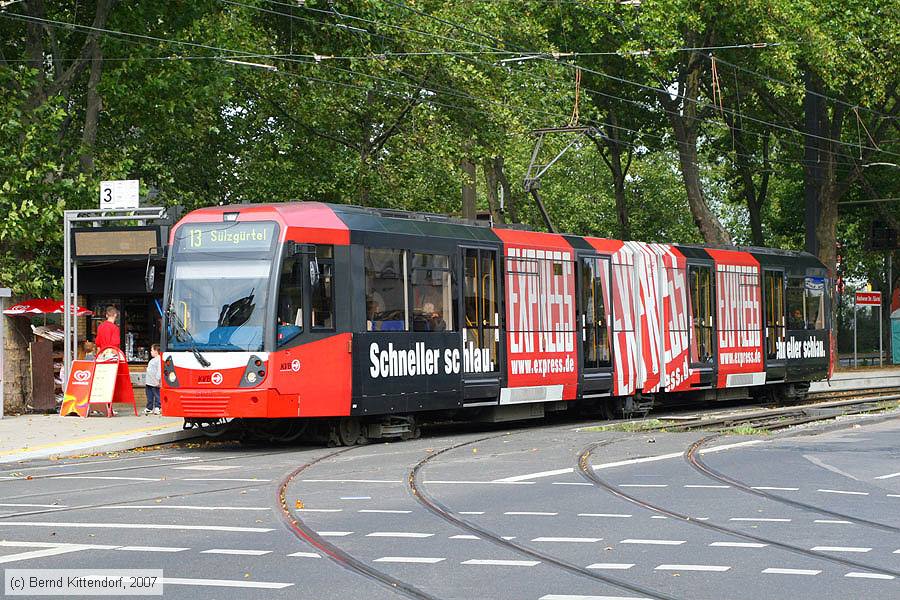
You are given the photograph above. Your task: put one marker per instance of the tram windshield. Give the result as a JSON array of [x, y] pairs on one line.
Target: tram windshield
[[219, 305], [219, 287]]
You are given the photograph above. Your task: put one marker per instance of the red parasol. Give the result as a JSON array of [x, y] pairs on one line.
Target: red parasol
[[43, 306]]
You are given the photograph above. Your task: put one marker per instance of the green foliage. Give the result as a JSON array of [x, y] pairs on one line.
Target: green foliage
[[377, 101]]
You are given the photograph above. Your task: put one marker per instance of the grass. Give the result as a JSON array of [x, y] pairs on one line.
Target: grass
[[746, 430], [632, 427]]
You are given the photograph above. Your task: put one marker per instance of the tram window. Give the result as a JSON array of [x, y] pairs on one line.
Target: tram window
[[290, 300], [595, 334], [432, 293], [774, 283], [322, 288], [482, 319], [386, 290], [702, 314], [814, 293], [796, 308]]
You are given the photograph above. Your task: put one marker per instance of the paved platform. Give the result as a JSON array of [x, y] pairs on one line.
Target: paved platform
[[851, 379], [45, 436]]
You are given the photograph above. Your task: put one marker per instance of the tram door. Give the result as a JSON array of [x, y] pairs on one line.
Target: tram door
[[593, 320], [703, 318], [773, 302], [482, 336]]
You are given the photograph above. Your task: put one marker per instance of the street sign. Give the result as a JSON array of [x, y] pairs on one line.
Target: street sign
[[868, 298], [122, 193]]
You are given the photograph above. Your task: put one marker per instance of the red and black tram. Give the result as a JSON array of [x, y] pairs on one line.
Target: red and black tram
[[359, 322]]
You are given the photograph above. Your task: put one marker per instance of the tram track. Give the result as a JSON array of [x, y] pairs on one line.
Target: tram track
[[587, 472], [304, 532], [692, 457], [437, 508]]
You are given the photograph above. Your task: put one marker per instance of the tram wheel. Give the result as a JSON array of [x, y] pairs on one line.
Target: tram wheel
[[349, 431]]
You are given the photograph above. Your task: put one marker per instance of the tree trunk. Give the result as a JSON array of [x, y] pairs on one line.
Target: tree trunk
[[830, 192], [707, 222], [493, 181], [92, 110], [468, 188], [682, 115], [508, 198]]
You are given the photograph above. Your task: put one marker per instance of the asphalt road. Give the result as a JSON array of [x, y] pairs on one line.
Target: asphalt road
[[485, 513]]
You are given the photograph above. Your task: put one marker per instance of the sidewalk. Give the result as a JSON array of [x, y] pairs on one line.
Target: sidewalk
[[870, 378], [43, 436]]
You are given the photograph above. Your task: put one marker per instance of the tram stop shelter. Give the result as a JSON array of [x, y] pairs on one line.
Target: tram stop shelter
[[107, 256]]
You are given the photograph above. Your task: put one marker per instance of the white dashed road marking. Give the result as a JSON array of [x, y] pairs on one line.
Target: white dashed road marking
[[574, 540], [778, 571], [711, 487], [41, 553], [891, 476], [839, 549], [714, 568], [384, 511], [152, 549], [352, 481], [869, 575], [501, 563], [319, 510], [356, 497], [654, 542], [35, 505], [238, 479], [306, 554], [535, 475], [760, 520], [472, 512], [109, 477], [399, 534], [571, 483], [464, 536], [616, 566], [141, 526], [738, 545], [849, 493], [576, 597], [605, 515], [236, 552], [208, 467], [410, 559], [775, 489], [266, 585], [531, 514], [643, 485], [334, 533], [185, 507], [832, 522]]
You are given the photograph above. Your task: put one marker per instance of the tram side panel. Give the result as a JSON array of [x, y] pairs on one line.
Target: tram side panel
[[738, 319], [540, 319], [675, 319]]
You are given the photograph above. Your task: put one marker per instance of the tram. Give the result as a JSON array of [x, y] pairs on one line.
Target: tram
[[355, 323]]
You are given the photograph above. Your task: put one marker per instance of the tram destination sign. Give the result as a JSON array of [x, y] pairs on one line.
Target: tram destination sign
[[246, 236], [868, 298]]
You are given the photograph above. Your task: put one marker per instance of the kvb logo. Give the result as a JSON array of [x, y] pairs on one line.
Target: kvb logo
[[216, 378], [81, 376]]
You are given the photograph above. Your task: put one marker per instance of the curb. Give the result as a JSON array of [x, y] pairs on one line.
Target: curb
[[113, 444]]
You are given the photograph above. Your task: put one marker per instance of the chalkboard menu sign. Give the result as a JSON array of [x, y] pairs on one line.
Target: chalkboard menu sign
[[246, 236]]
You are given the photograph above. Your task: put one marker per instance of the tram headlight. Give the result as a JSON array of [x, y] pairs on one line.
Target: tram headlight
[[172, 377], [254, 373]]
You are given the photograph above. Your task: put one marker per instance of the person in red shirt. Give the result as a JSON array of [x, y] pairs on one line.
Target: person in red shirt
[[108, 332]]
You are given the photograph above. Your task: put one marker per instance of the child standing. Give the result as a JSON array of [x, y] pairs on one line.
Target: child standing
[[153, 381]]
